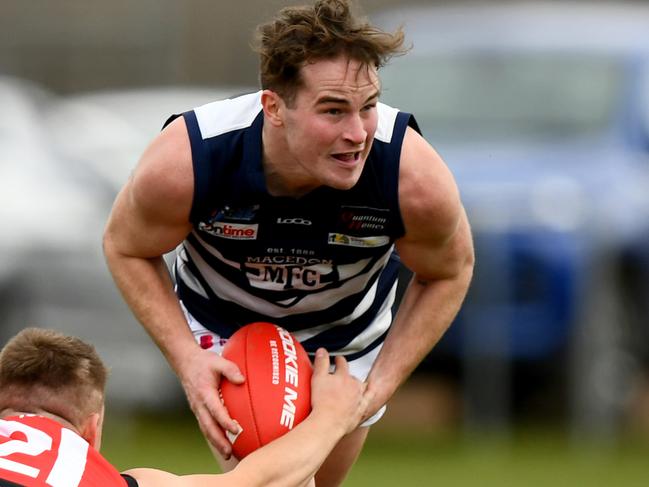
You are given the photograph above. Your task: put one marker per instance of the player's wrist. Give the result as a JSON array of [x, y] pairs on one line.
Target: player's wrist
[[332, 421], [181, 356], [378, 390]]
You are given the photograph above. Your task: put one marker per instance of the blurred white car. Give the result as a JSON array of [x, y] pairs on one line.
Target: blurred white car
[[62, 161], [49, 222], [105, 132], [38, 198]]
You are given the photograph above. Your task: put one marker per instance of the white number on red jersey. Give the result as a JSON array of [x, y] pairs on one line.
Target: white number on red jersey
[[70, 461]]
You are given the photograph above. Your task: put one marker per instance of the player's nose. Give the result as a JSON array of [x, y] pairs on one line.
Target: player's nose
[[355, 130]]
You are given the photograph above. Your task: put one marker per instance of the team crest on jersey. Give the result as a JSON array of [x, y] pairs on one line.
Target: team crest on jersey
[[352, 241], [231, 214]]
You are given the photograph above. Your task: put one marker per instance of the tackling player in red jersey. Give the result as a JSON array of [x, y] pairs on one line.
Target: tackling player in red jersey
[[52, 409], [38, 450]]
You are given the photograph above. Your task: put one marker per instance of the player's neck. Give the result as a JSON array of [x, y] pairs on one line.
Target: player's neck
[[283, 173], [5, 413]]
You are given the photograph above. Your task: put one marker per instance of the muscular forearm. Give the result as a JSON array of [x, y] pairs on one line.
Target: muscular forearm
[[427, 310], [146, 287]]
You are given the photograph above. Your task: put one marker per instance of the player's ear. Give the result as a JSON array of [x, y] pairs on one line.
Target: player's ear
[[273, 107], [91, 429]]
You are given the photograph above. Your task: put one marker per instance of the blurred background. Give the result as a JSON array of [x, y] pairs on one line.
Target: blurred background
[[541, 110]]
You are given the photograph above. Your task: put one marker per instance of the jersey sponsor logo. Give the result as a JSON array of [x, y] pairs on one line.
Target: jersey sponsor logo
[[363, 219], [352, 241], [293, 221], [233, 231]]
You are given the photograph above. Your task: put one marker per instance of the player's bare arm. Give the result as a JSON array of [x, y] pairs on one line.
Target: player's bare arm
[[150, 217], [291, 460], [438, 248]]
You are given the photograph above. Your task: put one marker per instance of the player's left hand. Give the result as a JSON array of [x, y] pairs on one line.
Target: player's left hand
[[200, 376], [338, 393]]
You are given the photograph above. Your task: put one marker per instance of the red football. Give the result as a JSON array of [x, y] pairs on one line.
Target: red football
[[276, 395]]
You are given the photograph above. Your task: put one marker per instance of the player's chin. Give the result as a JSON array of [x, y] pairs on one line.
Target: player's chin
[[343, 183], [344, 178]]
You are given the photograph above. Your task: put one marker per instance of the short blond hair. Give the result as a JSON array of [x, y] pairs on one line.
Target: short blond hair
[[43, 370]]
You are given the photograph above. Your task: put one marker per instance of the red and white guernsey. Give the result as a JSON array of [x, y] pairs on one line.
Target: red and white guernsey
[[39, 452]]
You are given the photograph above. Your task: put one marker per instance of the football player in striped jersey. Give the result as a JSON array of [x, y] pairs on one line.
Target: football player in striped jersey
[[295, 205]]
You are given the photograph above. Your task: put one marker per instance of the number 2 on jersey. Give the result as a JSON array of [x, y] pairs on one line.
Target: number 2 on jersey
[[68, 465]]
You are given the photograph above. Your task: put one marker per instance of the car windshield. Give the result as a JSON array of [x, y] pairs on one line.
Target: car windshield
[[486, 95]]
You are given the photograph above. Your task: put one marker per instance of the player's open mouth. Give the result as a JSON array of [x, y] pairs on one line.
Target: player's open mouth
[[348, 157]]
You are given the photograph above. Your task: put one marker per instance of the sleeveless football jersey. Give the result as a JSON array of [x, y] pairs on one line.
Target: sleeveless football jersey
[[322, 266], [39, 452]]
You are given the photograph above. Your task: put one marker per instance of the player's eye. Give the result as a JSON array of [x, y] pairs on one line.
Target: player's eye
[[333, 111]]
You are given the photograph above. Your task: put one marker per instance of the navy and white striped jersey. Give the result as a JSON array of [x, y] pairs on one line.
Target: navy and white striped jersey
[[322, 266]]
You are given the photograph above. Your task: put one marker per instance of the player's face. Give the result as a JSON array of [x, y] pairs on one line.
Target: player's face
[[331, 123]]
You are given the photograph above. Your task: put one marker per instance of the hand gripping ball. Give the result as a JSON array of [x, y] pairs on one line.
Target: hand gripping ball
[[276, 395]]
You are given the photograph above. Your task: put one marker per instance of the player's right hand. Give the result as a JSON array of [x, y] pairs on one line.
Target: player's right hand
[[200, 375], [338, 394]]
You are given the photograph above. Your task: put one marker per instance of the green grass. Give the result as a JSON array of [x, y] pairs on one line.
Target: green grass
[[170, 442], [527, 458]]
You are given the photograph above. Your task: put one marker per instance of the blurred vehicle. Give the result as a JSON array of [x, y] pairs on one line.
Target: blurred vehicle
[[541, 110], [52, 271], [62, 161], [104, 133], [45, 215]]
